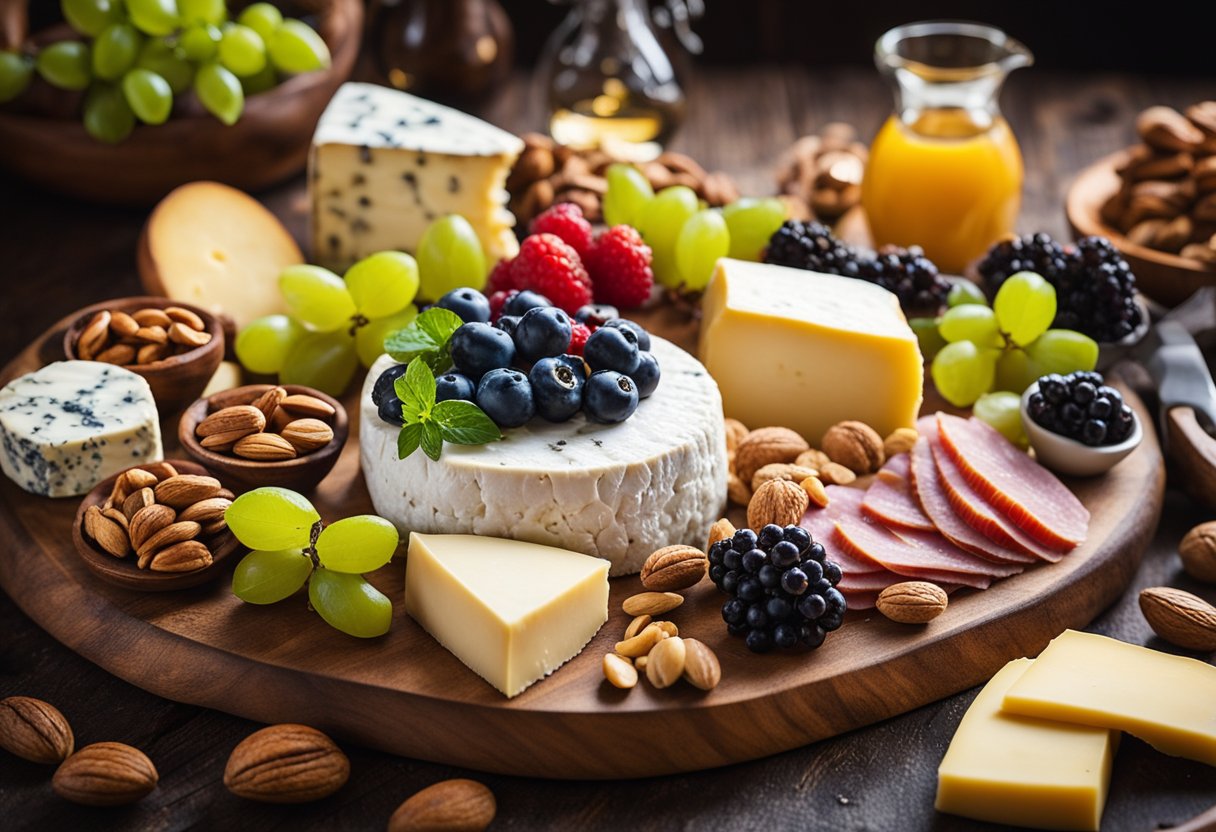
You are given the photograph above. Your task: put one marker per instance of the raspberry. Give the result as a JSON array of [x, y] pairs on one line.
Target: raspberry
[[619, 264], [549, 266], [501, 278], [497, 300], [565, 219], [579, 333]]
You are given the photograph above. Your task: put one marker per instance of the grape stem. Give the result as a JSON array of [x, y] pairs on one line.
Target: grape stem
[[357, 321], [311, 550]]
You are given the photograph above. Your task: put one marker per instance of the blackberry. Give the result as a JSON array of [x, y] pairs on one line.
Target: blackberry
[[811, 246], [1037, 253], [1080, 407], [909, 275], [782, 592]]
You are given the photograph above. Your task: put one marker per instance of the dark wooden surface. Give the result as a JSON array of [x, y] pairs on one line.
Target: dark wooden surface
[[61, 255]]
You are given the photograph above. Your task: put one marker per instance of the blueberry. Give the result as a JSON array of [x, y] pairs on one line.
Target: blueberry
[[756, 616], [730, 582], [750, 589], [753, 559], [812, 606], [743, 540], [811, 635], [646, 376], [384, 384], [542, 332], [817, 552], [643, 337], [821, 586], [785, 555], [1084, 393], [557, 389], [508, 324], [813, 570], [831, 571], [596, 314], [769, 575], [732, 559], [1053, 388], [506, 397], [830, 621], [733, 611], [1100, 408], [609, 397], [576, 363], [478, 348], [454, 386], [835, 601], [519, 304], [1072, 415], [389, 410], [785, 636], [1093, 432], [715, 574], [715, 555], [769, 535], [778, 608], [470, 304], [799, 536], [720, 548], [758, 641], [737, 629], [612, 348], [1093, 378], [794, 581], [1116, 400]]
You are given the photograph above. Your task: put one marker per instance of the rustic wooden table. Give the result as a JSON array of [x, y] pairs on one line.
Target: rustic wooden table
[[61, 255]]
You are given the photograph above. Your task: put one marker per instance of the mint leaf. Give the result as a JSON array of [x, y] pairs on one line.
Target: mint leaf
[[407, 344], [408, 439], [432, 441], [426, 337], [416, 389], [464, 423], [439, 323]]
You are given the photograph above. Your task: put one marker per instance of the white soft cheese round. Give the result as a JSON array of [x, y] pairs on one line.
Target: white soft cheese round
[[614, 491]]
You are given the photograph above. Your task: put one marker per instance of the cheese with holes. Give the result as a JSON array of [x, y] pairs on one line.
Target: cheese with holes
[[70, 425], [513, 612], [385, 164], [1167, 701], [1023, 771], [613, 491], [805, 350]]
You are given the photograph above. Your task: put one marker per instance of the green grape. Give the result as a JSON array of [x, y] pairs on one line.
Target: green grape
[[660, 220], [200, 42], [1025, 306], [296, 47], [262, 18], [272, 518], [1014, 372], [107, 116], [971, 322], [202, 11], [751, 223], [357, 544], [628, 192], [316, 297], [928, 336], [324, 360], [1004, 412], [90, 17], [702, 240], [154, 17], [369, 339], [268, 577], [65, 65], [220, 92], [267, 79], [350, 604], [159, 57], [383, 283], [449, 257], [963, 372], [242, 50], [115, 50], [1062, 351], [149, 95], [16, 71], [263, 345], [963, 292]]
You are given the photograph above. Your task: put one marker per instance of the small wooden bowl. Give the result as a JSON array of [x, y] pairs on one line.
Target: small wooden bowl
[[122, 571], [1164, 277], [177, 380], [300, 474], [268, 144]]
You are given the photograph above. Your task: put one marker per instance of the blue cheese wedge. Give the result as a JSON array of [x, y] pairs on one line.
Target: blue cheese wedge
[[385, 164], [70, 425]]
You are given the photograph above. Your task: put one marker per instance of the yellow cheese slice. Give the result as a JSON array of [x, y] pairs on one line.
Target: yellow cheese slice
[[512, 611], [1024, 771], [1167, 701]]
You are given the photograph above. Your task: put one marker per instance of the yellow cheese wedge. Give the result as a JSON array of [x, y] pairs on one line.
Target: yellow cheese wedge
[[1024, 771], [512, 611], [1167, 701], [227, 376], [806, 350]]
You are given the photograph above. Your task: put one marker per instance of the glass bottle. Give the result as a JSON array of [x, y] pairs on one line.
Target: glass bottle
[[945, 171]]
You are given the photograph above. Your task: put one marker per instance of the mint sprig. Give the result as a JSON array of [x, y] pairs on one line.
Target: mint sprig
[[426, 337], [428, 424]]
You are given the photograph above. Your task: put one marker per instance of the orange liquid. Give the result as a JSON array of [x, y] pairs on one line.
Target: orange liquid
[[944, 184]]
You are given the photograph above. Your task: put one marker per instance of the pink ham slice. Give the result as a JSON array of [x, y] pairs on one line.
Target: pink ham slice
[[1017, 486], [865, 599], [821, 523], [890, 500], [870, 541]]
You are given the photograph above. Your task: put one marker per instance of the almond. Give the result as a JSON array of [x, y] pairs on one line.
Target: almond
[[214, 527], [205, 511], [118, 517], [720, 530], [223, 441], [855, 445], [619, 671], [307, 406], [92, 338], [836, 474], [642, 643], [105, 774], [777, 501], [106, 533], [665, 662], [813, 458], [764, 446], [187, 556], [34, 730], [286, 764], [308, 435], [701, 667], [150, 316], [137, 478], [123, 325], [151, 353], [180, 333], [269, 402], [815, 491], [242, 418], [120, 354], [782, 471], [912, 602], [161, 470], [674, 567], [152, 335], [264, 447], [186, 489], [1198, 552], [1180, 617], [142, 498], [652, 603], [900, 441], [636, 626], [148, 521], [180, 315], [449, 806], [173, 533]]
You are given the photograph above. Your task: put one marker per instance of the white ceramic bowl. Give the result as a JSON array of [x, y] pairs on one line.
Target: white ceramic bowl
[[1068, 456]]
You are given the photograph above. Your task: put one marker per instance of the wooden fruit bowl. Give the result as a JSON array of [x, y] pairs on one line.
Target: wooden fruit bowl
[[267, 145], [1164, 277]]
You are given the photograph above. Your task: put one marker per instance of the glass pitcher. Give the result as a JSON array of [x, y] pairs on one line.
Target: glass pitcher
[[945, 172]]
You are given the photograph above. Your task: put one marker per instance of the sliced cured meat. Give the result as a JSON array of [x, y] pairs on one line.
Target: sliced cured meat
[[890, 500], [968, 504], [943, 548], [821, 523], [897, 466], [870, 541], [932, 495], [864, 599], [1017, 486], [869, 581]]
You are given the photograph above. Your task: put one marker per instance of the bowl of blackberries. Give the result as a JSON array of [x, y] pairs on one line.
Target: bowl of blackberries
[[1079, 425]]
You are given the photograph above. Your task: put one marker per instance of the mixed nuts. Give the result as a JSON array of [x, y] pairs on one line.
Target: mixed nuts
[[142, 337], [274, 426]]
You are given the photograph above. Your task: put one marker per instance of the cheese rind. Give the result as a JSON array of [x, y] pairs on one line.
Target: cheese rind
[[806, 350], [1023, 771], [385, 164], [68, 426], [513, 612], [1167, 701]]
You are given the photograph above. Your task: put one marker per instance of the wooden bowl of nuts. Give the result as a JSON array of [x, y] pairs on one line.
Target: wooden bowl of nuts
[[176, 347], [263, 434], [156, 527]]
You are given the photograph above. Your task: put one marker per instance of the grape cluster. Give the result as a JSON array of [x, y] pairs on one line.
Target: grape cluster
[[1081, 407], [781, 585], [144, 53]]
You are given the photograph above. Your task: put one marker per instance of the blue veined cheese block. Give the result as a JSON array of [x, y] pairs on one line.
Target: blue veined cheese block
[[70, 425]]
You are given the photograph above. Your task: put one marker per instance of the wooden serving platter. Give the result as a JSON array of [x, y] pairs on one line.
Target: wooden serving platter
[[405, 694]]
